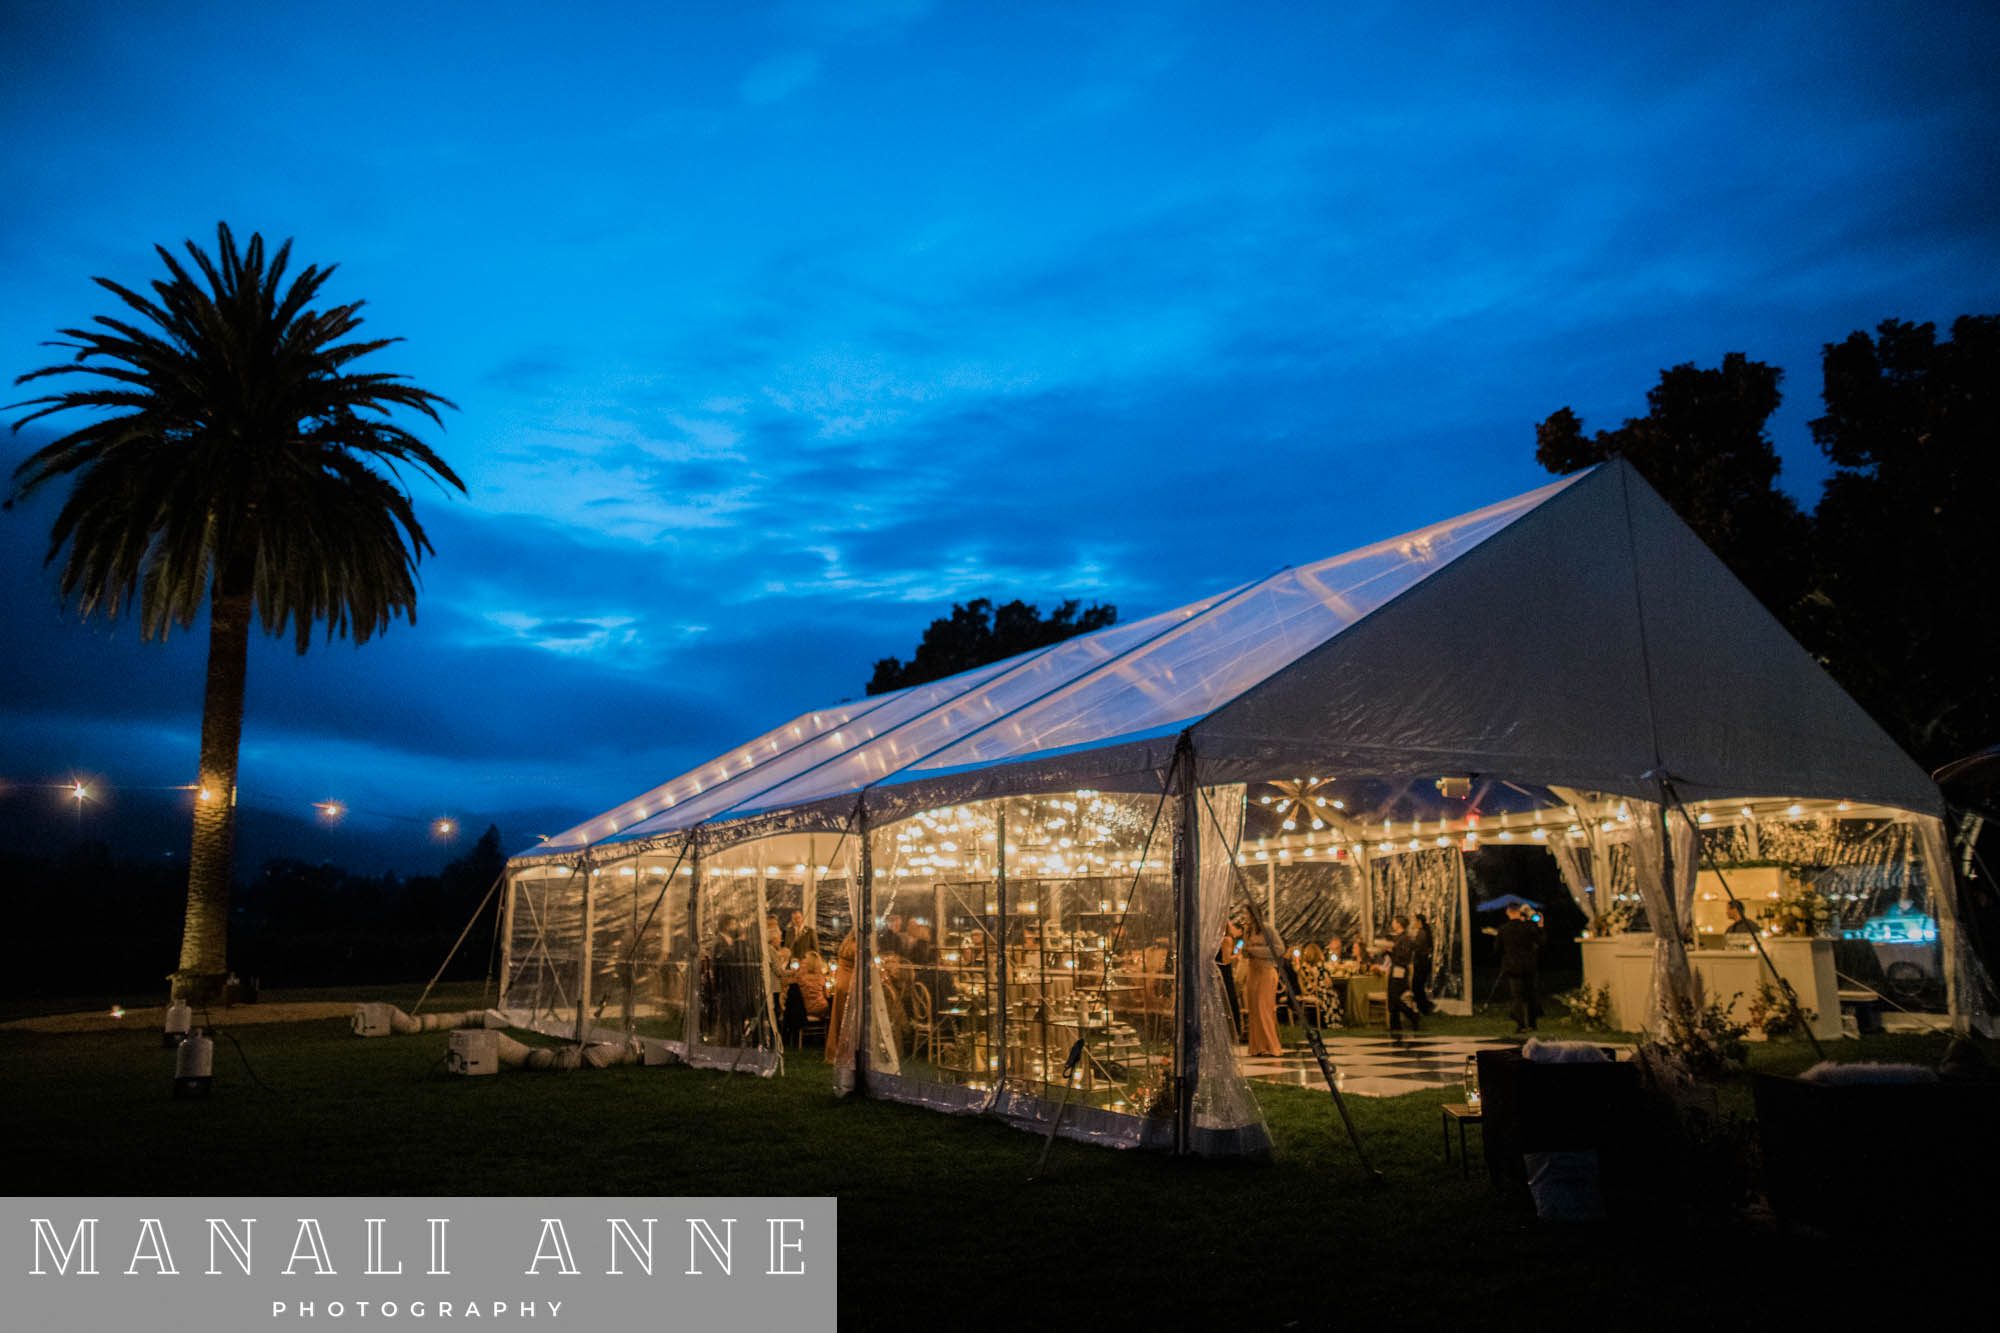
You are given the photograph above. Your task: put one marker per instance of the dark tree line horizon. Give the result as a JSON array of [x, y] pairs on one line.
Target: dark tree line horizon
[[293, 922]]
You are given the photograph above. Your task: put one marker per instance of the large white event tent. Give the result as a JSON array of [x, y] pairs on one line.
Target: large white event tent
[[1069, 821]]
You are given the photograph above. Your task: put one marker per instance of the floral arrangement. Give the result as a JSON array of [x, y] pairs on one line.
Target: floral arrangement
[[1776, 1011], [1590, 1007], [1803, 910], [1708, 1041], [1615, 919]]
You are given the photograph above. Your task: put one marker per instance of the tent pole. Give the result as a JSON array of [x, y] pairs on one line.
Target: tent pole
[[1464, 936], [864, 949], [810, 894], [584, 971], [769, 1007], [1000, 937], [691, 1021], [628, 969], [1190, 956], [507, 937]]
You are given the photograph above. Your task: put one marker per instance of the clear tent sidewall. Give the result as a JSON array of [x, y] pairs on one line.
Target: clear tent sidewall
[[660, 984]]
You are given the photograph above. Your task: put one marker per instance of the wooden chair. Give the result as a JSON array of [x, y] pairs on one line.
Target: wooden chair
[[921, 1021]]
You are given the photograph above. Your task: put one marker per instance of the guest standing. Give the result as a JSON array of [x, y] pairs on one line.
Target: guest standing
[[1400, 949], [1261, 996], [844, 966], [1520, 959], [1421, 957]]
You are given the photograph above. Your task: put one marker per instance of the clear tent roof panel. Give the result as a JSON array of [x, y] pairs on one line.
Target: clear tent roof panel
[[1238, 641], [748, 787], [716, 772], [1036, 676]]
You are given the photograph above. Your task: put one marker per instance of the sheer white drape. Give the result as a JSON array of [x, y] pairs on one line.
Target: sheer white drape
[[1668, 906], [1222, 1100], [1965, 981], [1573, 877]]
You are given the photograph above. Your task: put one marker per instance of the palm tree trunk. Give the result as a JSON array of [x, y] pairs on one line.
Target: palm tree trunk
[[205, 934]]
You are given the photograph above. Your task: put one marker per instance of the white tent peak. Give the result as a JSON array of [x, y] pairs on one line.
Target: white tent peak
[[1597, 643]]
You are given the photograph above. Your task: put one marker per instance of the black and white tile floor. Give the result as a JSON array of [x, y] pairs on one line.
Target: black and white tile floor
[[1375, 1065]]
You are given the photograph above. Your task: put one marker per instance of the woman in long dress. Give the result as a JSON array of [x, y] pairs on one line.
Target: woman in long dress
[[1261, 996], [839, 1050]]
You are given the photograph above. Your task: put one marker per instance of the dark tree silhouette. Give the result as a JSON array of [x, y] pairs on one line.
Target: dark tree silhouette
[[1905, 530], [1703, 446], [230, 464], [978, 632]]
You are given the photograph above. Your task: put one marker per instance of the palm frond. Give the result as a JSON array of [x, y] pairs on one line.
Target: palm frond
[[231, 448]]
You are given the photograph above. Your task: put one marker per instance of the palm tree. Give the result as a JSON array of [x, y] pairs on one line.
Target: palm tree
[[230, 461]]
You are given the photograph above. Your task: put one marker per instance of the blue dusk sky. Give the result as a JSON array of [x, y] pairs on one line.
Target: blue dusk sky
[[775, 329]]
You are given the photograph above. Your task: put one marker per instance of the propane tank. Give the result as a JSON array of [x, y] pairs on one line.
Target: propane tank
[[179, 1019], [194, 1065]]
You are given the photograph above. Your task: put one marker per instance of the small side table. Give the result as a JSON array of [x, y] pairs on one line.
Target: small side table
[[1464, 1114]]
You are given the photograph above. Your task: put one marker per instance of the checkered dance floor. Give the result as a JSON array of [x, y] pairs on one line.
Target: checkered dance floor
[[1375, 1066]]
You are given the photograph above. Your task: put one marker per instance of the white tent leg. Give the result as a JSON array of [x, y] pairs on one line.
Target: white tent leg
[[587, 962], [1464, 1003], [507, 937]]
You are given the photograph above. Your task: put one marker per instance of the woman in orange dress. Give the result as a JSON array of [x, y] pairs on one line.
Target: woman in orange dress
[[809, 971], [839, 1052], [1261, 996]]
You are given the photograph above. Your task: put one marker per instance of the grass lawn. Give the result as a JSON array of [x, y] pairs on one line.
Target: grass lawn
[[937, 1214]]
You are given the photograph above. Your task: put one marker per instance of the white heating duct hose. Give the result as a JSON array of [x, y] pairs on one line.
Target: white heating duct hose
[[597, 1055], [381, 1020], [384, 1020]]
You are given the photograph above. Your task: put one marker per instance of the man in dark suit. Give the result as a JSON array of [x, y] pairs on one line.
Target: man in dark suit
[[1520, 958], [740, 984], [1423, 955], [1401, 948]]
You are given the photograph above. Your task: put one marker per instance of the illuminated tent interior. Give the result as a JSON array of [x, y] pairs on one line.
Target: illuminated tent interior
[[1069, 831]]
